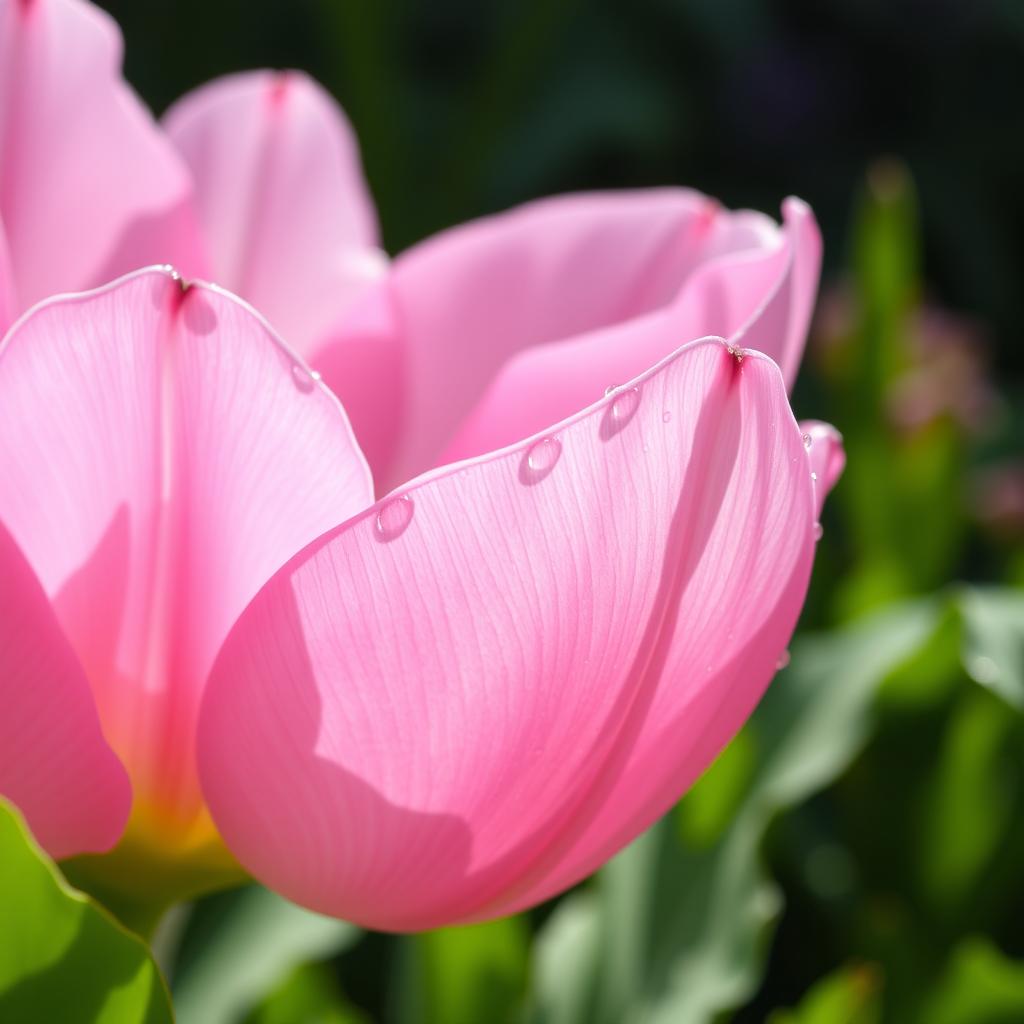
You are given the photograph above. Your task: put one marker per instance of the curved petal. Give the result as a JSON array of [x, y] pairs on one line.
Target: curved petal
[[162, 453], [287, 215], [828, 459], [749, 287], [54, 763], [89, 188], [462, 700], [502, 326]]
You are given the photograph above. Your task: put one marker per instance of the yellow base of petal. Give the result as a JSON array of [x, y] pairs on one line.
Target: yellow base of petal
[[159, 861]]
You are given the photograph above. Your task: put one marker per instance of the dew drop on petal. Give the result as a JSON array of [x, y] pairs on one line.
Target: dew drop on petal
[[610, 390], [666, 416], [819, 531], [543, 455], [393, 517], [782, 662], [625, 405], [808, 441], [305, 379]]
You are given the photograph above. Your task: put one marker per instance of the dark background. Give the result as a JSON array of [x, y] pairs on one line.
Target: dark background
[[464, 107]]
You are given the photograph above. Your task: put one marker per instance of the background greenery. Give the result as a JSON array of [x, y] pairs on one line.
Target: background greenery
[[856, 854]]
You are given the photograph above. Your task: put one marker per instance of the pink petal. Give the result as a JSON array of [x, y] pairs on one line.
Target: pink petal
[[289, 220], [828, 459], [466, 698], [162, 454], [516, 321], [88, 186], [6, 283], [54, 763]]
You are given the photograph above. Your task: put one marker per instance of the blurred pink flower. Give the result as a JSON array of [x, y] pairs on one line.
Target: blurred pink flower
[[453, 702]]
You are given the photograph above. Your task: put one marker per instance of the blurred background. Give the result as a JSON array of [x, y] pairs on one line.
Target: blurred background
[[857, 854]]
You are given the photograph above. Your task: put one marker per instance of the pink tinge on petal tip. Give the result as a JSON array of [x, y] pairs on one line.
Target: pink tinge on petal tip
[[55, 765], [89, 187], [465, 699], [216, 456], [287, 216]]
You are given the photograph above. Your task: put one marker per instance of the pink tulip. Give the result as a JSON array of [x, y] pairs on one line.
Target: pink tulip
[[454, 702]]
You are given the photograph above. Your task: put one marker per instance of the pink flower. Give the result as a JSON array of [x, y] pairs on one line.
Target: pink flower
[[443, 706]]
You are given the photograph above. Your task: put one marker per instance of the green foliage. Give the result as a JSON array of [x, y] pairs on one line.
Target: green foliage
[[994, 649], [464, 975], [849, 996], [309, 995], [62, 957], [239, 946], [981, 986], [677, 928]]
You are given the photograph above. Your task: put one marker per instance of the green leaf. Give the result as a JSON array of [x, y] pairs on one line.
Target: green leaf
[[969, 801], [309, 995], [566, 959], [849, 996], [994, 640], [239, 946], [981, 986], [465, 975], [679, 928], [62, 957]]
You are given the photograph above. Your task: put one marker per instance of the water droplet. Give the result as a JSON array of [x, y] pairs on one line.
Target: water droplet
[[647, 448], [808, 441], [304, 378], [625, 405], [393, 517], [819, 531], [814, 476], [666, 416], [782, 662], [610, 390], [540, 459]]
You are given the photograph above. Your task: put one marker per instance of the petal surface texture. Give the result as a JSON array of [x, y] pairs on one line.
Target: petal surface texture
[[467, 698], [54, 763], [505, 325], [288, 219], [89, 187], [828, 459], [162, 453]]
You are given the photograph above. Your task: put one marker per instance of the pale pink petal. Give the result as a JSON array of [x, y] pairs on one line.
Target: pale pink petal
[[89, 188], [462, 700], [749, 288], [55, 765], [507, 324], [162, 454], [788, 284], [289, 221], [828, 459]]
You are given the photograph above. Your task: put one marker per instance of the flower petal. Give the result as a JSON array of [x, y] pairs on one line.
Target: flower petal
[[6, 283], [288, 218], [828, 459], [466, 698], [89, 188], [54, 763], [502, 326], [162, 454]]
